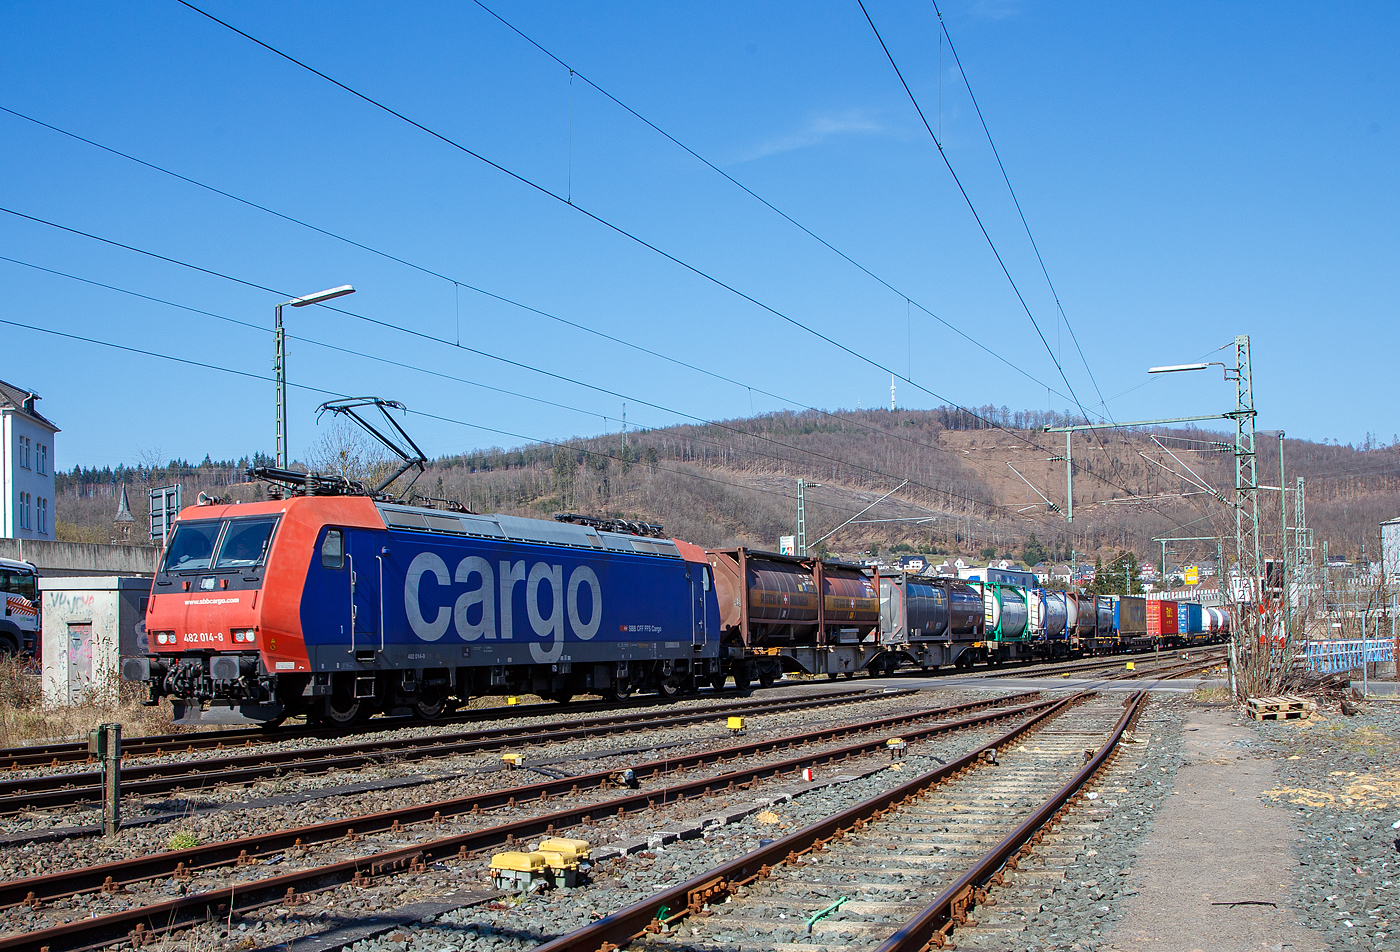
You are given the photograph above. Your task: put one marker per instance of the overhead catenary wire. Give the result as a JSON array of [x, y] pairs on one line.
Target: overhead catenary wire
[[972, 208], [949, 494], [458, 284], [205, 365], [573, 72], [942, 154], [617, 229], [943, 33]]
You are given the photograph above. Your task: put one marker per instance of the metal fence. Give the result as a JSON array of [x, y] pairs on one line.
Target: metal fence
[[1336, 656]]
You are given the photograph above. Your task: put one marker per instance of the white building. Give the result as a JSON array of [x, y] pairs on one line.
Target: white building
[[26, 466], [1390, 548]]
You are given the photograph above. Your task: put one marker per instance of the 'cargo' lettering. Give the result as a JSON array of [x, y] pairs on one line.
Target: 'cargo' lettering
[[474, 611], [422, 564]]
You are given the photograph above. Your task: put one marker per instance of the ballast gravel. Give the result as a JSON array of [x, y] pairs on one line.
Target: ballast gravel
[[1340, 776], [394, 891]]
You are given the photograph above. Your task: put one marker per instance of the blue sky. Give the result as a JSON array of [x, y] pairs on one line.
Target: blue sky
[[1189, 171]]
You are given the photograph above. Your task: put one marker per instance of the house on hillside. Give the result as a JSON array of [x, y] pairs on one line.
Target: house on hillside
[[26, 466], [913, 563]]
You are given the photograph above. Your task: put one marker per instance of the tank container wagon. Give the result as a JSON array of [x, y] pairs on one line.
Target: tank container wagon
[[1218, 622], [791, 613], [1105, 639], [339, 606], [1051, 631], [929, 622], [1085, 629], [1006, 606], [1130, 622]]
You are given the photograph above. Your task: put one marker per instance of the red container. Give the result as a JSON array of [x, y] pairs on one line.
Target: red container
[[1161, 618]]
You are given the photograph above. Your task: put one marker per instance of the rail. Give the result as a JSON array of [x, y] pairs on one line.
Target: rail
[[621, 927]]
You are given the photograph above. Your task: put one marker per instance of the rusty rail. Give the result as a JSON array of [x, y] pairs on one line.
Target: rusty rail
[[931, 926], [45, 755], [619, 928], [177, 913], [68, 789]]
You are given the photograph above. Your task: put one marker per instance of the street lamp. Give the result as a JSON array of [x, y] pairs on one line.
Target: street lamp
[[280, 359], [1246, 471]]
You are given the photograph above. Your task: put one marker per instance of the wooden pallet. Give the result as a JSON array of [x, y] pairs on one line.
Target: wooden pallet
[[1282, 708]]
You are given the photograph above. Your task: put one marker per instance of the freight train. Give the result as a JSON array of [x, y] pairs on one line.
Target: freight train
[[337, 605]]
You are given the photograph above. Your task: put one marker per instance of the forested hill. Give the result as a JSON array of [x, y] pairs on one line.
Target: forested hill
[[968, 482]]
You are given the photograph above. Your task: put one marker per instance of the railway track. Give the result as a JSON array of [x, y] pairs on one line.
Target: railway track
[[156, 745], [860, 878], [57, 790], [238, 886], [1090, 665]]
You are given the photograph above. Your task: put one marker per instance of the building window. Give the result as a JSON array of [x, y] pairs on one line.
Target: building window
[[43, 516], [43, 460]]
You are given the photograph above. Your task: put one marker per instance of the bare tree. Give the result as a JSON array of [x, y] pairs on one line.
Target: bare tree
[[346, 450]]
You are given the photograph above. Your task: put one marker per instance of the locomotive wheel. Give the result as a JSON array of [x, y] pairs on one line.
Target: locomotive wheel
[[831, 675], [848, 674], [717, 680], [430, 705], [562, 697], [342, 711], [670, 688], [766, 678], [618, 691]]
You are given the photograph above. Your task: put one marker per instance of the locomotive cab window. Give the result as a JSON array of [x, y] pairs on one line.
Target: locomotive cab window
[[192, 546], [333, 549], [245, 543]]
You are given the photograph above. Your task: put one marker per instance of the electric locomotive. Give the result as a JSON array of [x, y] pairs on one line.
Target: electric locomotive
[[341, 606]]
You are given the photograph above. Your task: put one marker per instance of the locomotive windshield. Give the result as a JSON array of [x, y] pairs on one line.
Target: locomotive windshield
[[192, 545], [219, 544], [245, 542]]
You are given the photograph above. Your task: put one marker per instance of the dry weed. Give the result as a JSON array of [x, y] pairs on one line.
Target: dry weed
[[25, 718]]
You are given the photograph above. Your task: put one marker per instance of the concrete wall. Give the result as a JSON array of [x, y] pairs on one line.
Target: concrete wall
[[82, 558], [89, 625]]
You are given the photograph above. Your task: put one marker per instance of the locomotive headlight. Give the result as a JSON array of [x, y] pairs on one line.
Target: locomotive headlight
[[165, 637], [243, 635]]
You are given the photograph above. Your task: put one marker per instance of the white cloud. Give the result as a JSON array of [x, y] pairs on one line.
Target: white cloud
[[816, 130]]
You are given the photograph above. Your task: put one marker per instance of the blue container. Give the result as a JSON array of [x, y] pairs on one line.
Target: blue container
[[1191, 618]]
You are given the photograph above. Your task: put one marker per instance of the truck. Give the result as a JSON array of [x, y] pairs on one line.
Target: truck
[[19, 614]]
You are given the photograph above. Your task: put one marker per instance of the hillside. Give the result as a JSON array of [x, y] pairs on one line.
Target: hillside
[[735, 482]]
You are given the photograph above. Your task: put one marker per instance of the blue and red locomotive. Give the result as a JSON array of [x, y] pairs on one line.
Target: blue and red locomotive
[[340, 606]]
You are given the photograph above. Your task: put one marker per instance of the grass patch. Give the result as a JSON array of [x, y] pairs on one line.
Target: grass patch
[[1211, 695]]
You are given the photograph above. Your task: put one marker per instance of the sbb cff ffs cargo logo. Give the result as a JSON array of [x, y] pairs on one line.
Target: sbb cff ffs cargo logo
[[489, 598]]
